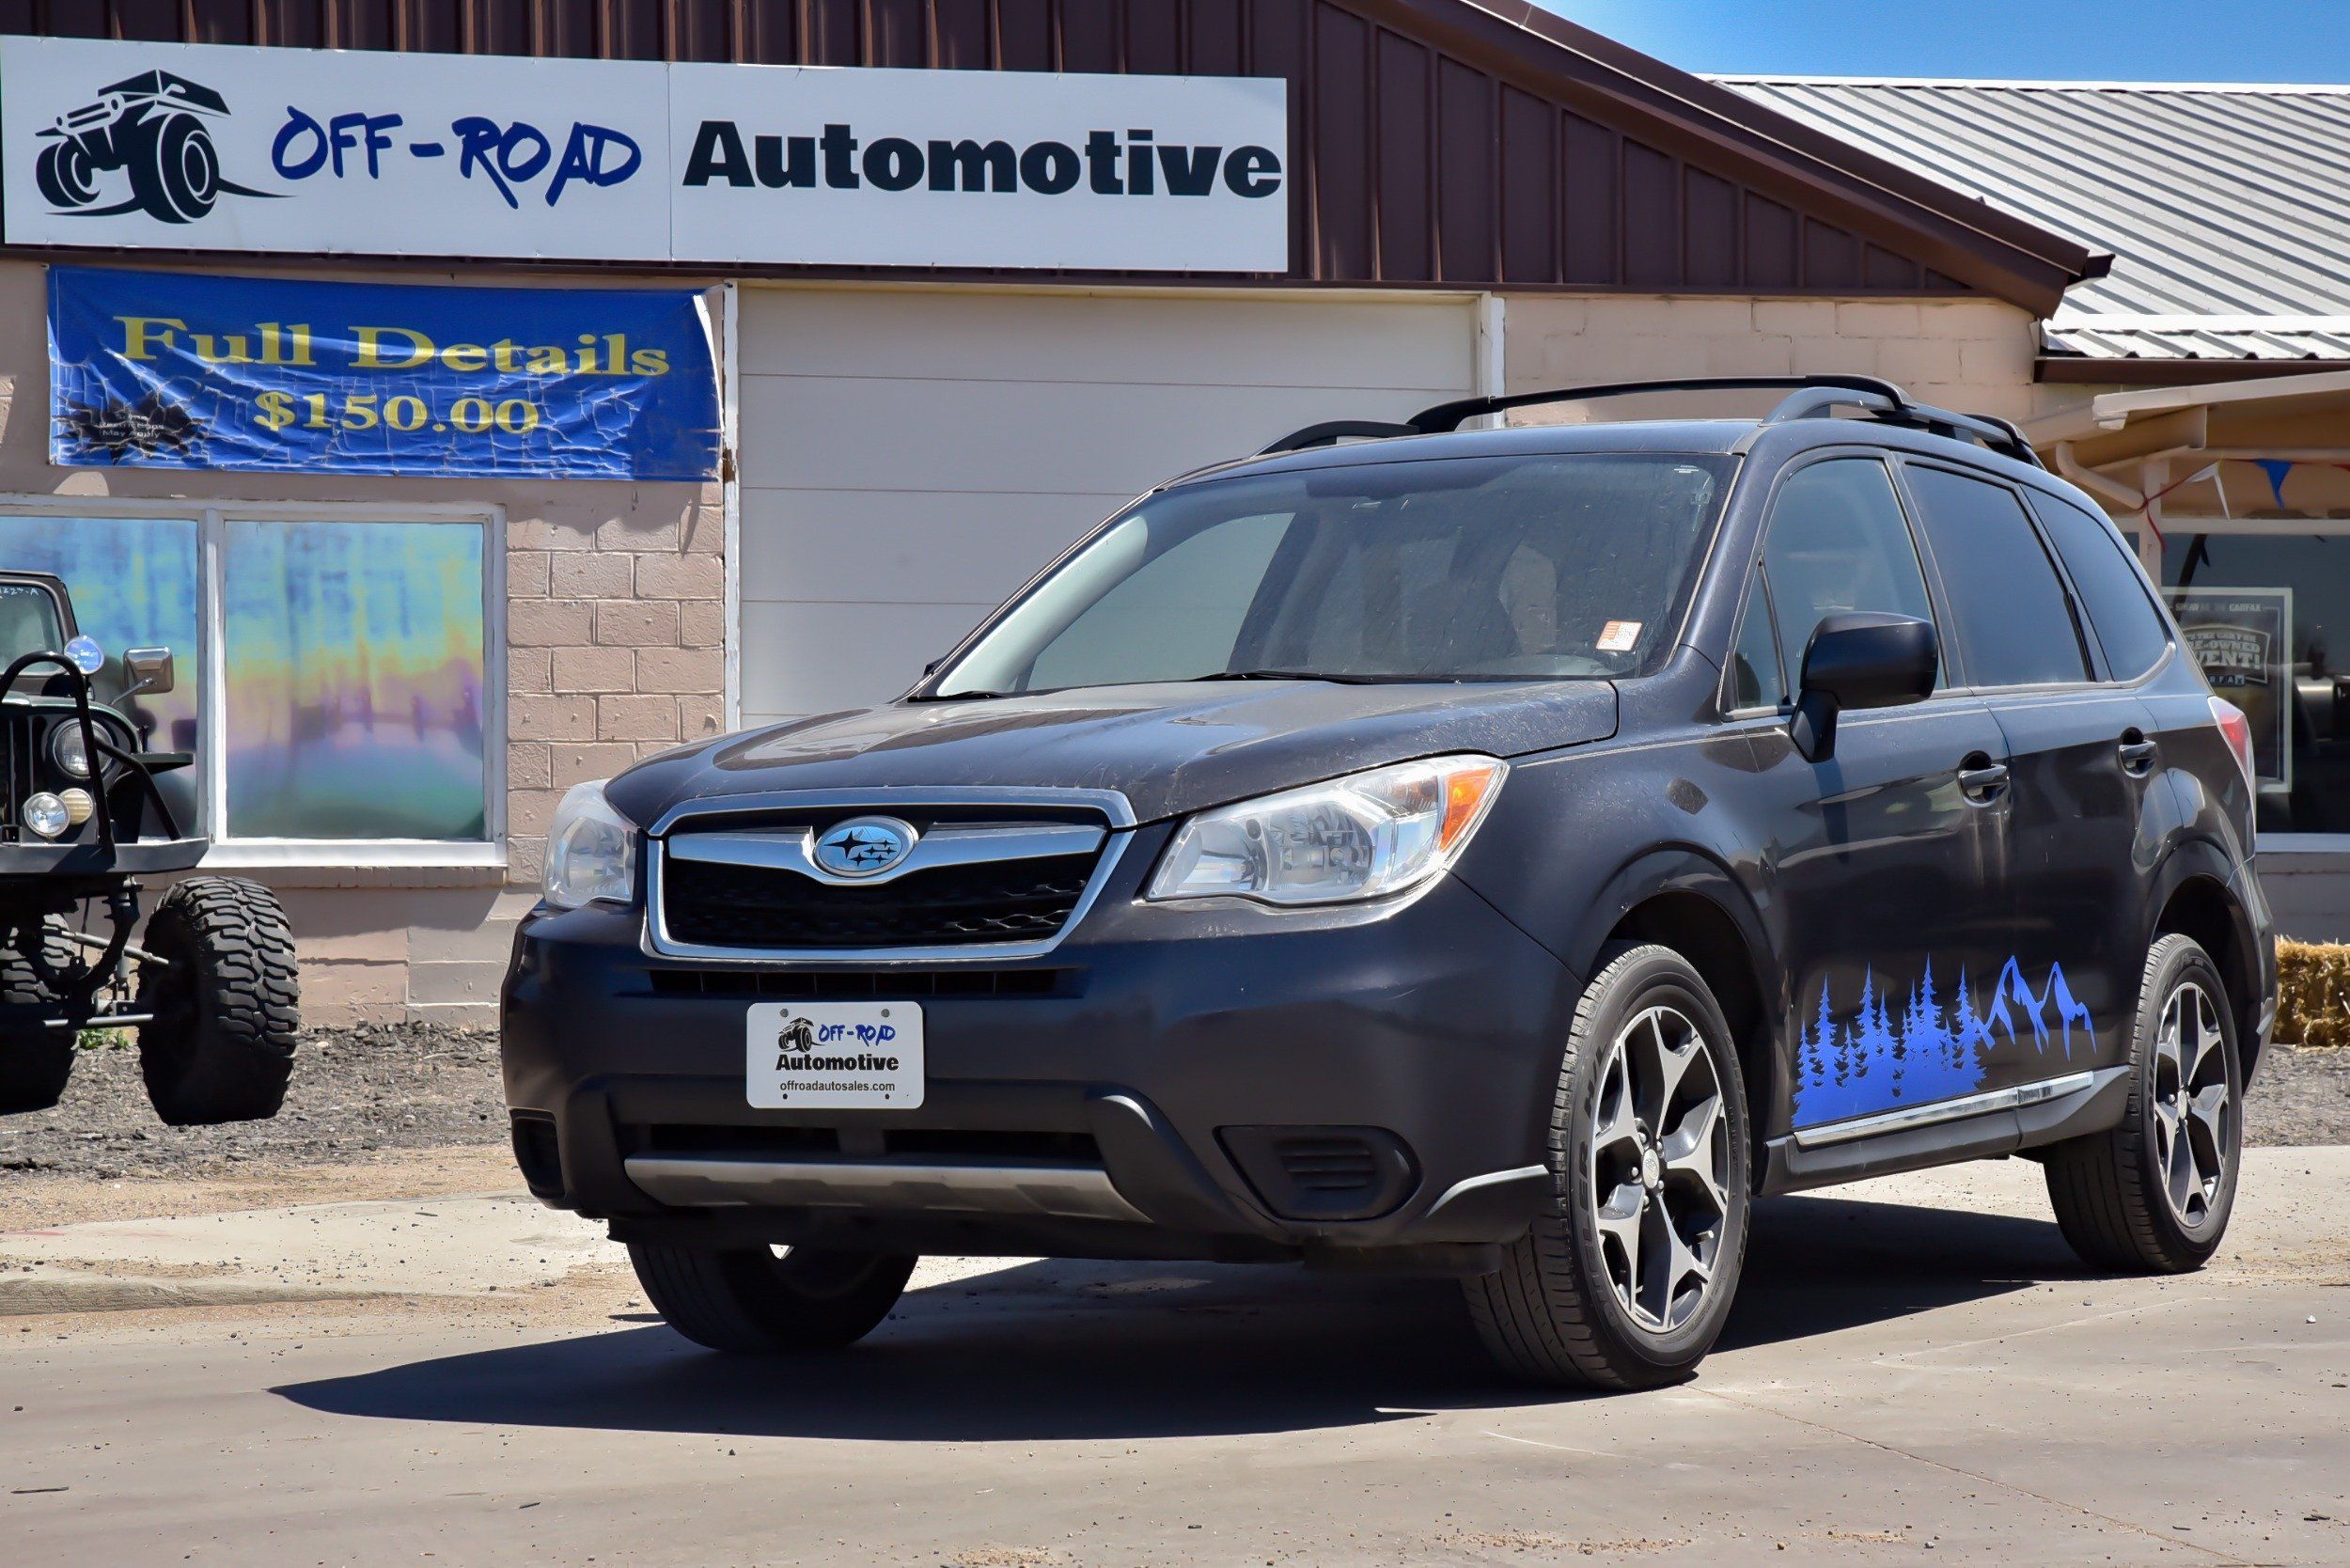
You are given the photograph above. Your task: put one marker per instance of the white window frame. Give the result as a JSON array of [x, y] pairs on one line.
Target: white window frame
[[210, 658]]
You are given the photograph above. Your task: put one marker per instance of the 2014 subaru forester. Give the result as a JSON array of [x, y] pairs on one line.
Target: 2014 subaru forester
[[1505, 851]]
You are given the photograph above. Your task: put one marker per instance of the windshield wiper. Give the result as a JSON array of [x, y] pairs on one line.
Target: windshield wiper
[[1337, 677]]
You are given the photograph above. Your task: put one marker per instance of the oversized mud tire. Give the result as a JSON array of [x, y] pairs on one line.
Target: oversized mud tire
[[66, 176], [226, 1005], [2151, 1194], [35, 1062], [175, 169], [1626, 1281], [760, 1300]]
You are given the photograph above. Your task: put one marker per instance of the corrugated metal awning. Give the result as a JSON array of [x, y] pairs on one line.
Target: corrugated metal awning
[[2226, 208]]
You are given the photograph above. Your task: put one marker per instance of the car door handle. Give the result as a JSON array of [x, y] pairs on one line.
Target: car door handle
[[1982, 781], [2137, 753]]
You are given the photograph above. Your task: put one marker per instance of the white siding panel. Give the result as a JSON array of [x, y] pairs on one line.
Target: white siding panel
[[1053, 337], [862, 545], [909, 459]]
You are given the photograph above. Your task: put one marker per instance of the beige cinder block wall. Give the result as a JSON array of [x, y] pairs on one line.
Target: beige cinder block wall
[[1973, 354], [615, 637]]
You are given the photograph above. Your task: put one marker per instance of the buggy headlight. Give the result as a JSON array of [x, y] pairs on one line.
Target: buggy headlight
[[67, 750], [591, 852], [46, 815], [1362, 837]]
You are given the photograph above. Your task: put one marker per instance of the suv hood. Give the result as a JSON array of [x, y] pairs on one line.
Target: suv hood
[[1169, 748]]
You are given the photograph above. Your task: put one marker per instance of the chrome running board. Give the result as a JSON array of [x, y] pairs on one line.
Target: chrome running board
[[1908, 1117], [931, 1187]]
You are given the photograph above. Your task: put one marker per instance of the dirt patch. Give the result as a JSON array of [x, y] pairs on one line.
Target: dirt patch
[[356, 1092], [35, 1202], [2301, 1097]]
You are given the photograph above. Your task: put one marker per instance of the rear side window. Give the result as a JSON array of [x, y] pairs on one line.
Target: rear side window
[[2013, 622], [1839, 541], [2128, 626]]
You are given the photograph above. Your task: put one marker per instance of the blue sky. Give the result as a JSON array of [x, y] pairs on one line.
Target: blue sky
[[2149, 40]]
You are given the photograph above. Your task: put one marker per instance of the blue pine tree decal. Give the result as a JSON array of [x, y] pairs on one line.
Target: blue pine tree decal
[[1931, 1051]]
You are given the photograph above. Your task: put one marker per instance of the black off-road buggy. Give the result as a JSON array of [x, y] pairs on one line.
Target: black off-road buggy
[[210, 986]]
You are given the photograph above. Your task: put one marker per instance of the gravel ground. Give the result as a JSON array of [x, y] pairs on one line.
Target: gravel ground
[[374, 1088], [356, 1092]]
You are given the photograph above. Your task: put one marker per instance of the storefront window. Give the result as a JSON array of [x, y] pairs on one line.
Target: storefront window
[[351, 657], [133, 584], [2268, 617], [355, 665]]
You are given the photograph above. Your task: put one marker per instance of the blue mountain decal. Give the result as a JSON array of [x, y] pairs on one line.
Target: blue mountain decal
[[1932, 1049]]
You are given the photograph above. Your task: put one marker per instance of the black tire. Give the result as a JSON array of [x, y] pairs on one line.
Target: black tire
[[227, 1008], [175, 169], [760, 1301], [1554, 1312], [66, 176], [36, 1063], [2117, 1194]]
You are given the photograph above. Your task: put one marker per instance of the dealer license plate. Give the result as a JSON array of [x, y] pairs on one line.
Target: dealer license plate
[[834, 1056]]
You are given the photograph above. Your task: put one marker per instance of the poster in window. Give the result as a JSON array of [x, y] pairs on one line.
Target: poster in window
[[2243, 637]]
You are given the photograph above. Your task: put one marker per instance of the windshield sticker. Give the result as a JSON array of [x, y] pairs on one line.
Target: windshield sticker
[[1619, 636]]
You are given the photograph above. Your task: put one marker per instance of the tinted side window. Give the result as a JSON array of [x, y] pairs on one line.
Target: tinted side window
[[2014, 622], [2112, 590], [1837, 541], [1755, 681]]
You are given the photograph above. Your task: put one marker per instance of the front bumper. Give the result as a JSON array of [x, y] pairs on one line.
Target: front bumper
[[1112, 1099]]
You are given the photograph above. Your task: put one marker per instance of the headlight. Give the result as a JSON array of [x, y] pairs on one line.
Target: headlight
[[45, 814], [1362, 837], [67, 750], [591, 852]]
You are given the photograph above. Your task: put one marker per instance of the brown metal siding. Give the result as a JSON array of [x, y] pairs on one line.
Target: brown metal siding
[[1409, 164]]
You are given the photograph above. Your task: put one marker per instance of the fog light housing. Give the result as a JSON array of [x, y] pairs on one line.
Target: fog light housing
[[46, 815], [78, 806]]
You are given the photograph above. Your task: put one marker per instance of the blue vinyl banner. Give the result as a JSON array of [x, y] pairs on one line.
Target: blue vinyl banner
[[175, 370]]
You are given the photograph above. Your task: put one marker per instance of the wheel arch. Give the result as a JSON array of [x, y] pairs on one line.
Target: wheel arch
[[2193, 899], [1690, 903]]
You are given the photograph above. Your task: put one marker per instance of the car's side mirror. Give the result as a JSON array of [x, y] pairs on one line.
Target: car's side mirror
[[1861, 659], [150, 668]]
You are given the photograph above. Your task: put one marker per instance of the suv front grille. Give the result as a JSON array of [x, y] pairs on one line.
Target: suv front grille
[[716, 905]]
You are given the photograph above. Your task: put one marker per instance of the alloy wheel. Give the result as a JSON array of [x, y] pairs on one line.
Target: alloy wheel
[[1660, 1167], [2193, 1139]]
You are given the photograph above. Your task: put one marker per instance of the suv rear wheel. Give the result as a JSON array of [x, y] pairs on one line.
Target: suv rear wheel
[[2153, 1193], [1627, 1282], [764, 1299]]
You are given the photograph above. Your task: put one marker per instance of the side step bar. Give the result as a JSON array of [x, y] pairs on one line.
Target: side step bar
[[931, 1186]]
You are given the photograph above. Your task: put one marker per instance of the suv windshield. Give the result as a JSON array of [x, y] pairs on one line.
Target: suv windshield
[[29, 623], [1548, 567]]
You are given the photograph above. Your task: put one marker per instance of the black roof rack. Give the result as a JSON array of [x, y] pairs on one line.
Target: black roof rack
[[1808, 396]]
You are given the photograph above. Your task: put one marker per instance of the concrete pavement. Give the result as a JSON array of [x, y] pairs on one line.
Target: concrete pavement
[[1917, 1373]]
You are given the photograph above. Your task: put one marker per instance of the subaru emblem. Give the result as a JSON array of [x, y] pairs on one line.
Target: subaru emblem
[[864, 846]]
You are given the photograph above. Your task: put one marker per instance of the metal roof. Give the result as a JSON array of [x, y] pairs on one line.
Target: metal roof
[[2227, 207]]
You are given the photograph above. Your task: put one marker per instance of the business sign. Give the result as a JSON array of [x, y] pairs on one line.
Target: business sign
[[169, 371], [201, 146], [2243, 639]]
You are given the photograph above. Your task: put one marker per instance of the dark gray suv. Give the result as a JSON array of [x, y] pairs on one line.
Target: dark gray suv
[[1506, 852]]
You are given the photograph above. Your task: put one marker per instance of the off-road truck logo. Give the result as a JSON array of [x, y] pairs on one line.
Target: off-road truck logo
[[798, 1035], [150, 126]]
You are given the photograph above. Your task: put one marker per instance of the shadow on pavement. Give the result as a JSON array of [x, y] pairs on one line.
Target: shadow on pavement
[[1057, 1350]]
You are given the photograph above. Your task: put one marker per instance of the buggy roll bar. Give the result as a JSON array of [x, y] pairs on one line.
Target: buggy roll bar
[[1809, 398]]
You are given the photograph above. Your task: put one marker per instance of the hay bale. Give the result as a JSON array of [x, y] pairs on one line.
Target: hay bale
[[2313, 993]]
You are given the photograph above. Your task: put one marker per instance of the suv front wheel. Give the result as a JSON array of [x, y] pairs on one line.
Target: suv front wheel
[[2153, 1193], [1626, 1283]]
